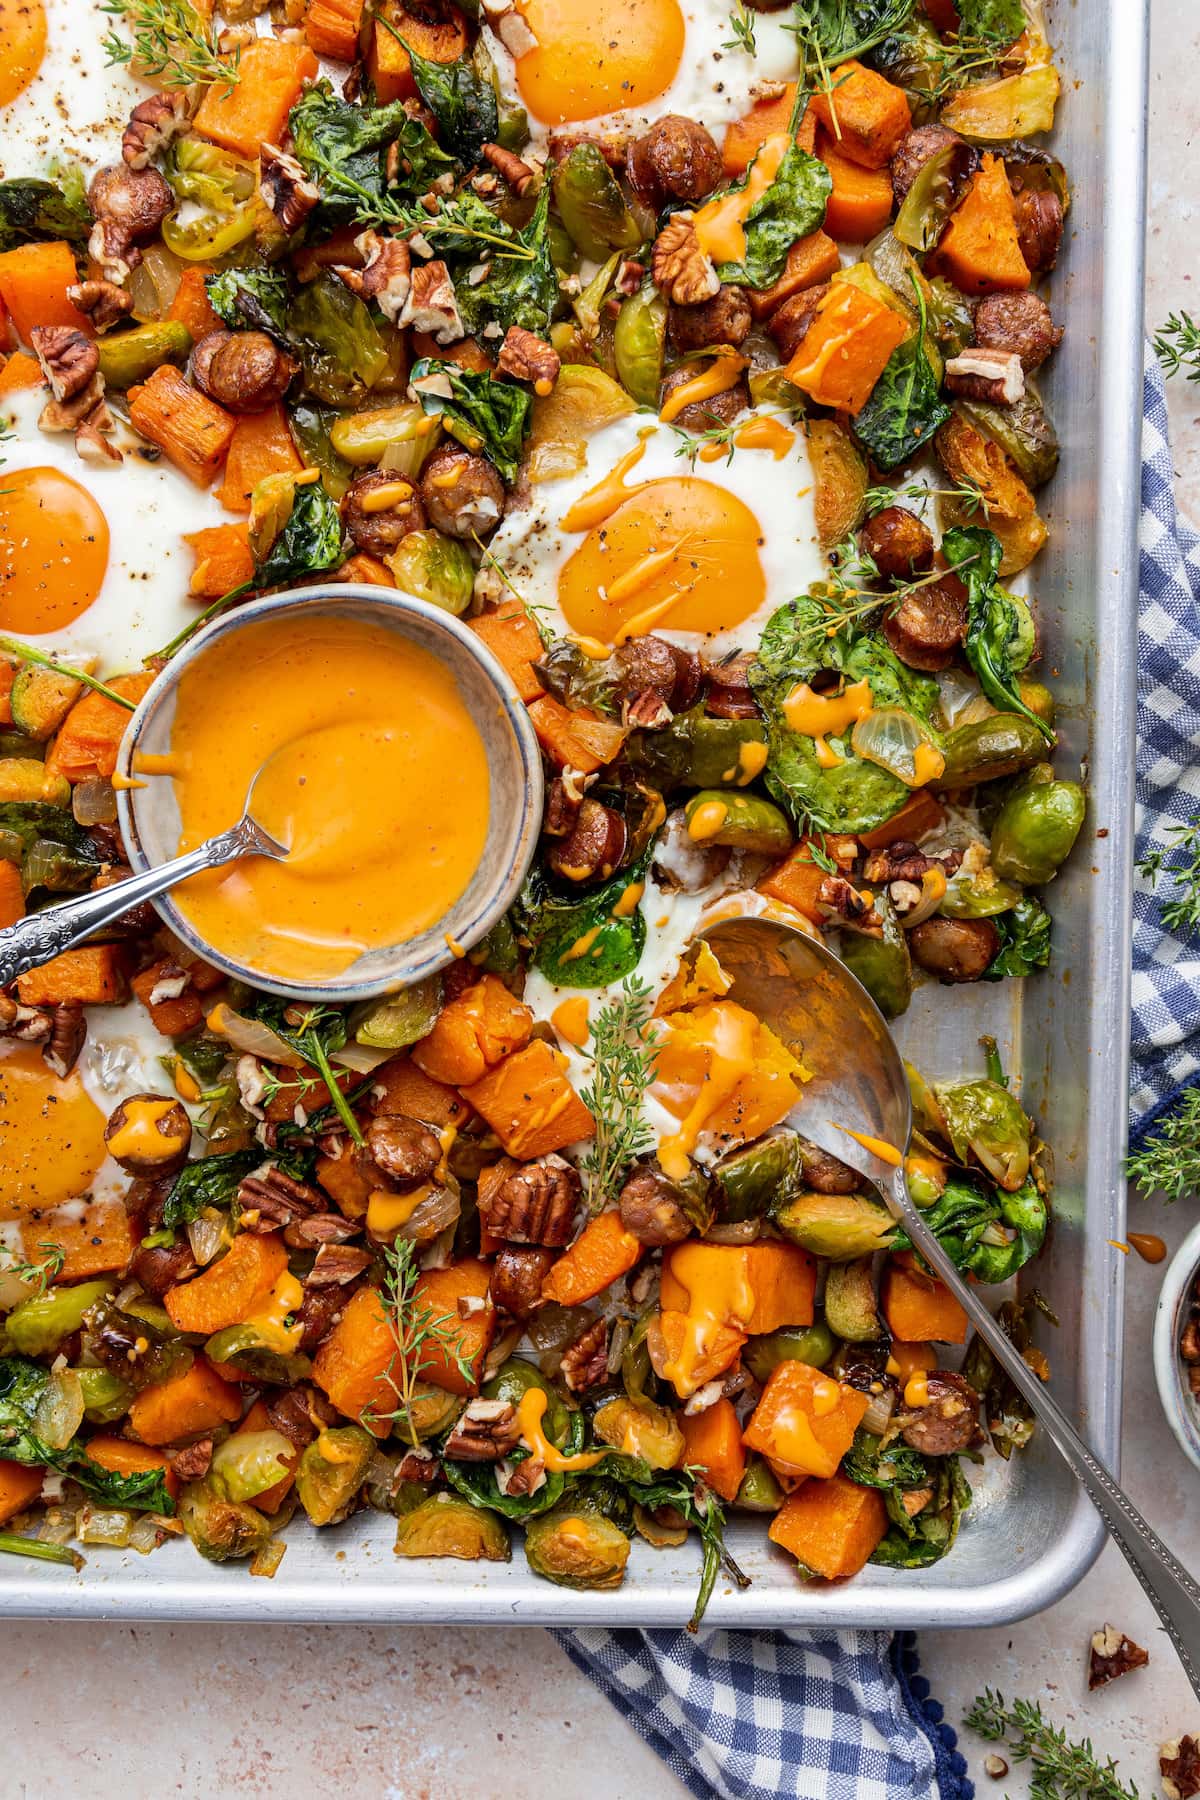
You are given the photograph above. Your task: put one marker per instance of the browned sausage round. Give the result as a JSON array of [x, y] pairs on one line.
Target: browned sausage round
[[1017, 322], [827, 1174], [592, 848], [517, 1276], [918, 148], [650, 1210], [729, 695], [380, 509], [462, 493], [403, 1148], [900, 544], [789, 322], [702, 415], [949, 1422], [929, 624], [725, 319], [1039, 219], [243, 371], [954, 949], [651, 664], [677, 159], [161, 1266]]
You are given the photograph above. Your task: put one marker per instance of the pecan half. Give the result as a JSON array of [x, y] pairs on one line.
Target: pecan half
[[485, 1432], [336, 1265], [286, 188], [679, 267], [518, 174], [386, 273], [69, 360], [103, 302], [417, 1464], [320, 1228], [528, 357], [269, 1198], [1179, 1766], [994, 376], [1112, 1654], [432, 304], [154, 124], [585, 1362], [534, 1204], [68, 1034]]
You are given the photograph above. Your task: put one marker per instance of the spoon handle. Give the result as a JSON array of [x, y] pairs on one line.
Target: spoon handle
[[1171, 1590], [39, 936]]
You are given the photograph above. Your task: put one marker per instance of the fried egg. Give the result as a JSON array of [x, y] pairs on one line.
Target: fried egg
[[643, 538], [59, 98], [627, 60], [92, 559]]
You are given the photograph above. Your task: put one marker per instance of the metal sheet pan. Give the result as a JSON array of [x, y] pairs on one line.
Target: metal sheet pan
[[1030, 1535]]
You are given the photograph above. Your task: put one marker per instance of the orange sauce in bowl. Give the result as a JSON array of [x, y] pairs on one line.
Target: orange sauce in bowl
[[372, 772]]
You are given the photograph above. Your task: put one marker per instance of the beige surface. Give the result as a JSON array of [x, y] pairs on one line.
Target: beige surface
[[295, 1713]]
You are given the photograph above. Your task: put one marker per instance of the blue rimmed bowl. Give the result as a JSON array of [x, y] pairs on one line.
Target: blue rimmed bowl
[[149, 815]]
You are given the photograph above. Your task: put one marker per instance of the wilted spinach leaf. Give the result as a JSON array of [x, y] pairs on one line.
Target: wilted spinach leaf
[[966, 1217], [257, 299], [344, 147], [915, 1543], [1010, 1423], [461, 100], [1024, 940], [337, 341], [576, 940], [481, 412], [833, 31], [33, 212], [870, 1464], [905, 407], [995, 627], [792, 207], [22, 1384], [310, 542], [521, 286], [998, 22], [211, 1181]]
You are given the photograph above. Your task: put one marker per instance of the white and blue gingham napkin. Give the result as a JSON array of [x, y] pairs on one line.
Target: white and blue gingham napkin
[[778, 1715]]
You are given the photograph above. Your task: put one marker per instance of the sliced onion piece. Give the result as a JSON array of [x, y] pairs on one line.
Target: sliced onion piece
[[251, 1037], [59, 1412], [899, 743], [878, 1415]]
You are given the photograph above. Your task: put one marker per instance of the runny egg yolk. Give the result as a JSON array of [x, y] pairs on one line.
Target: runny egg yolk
[[592, 59], [51, 1134], [22, 45], [679, 554], [53, 550]]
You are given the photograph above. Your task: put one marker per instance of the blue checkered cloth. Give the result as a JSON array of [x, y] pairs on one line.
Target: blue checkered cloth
[[767, 1715]]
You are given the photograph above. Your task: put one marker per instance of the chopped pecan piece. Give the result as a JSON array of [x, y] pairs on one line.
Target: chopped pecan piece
[[994, 376], [628, 278], [68, 1034], [535, 1204], [320, 1228], [69, 360], [407, 1151], [432, 304], [1179, 1766], [269, 1198], [1111, 1654], [193, 1463], [679, 267], [286, 188], [154, 124], [28, 1024], [518, 174], [485, 1432], [336, 1265], [386, 273], [103, 302], [841, 900], [585, 1362], [902, 861], [299, 1413], [418, 1464], [527, 357], [518, 1479]]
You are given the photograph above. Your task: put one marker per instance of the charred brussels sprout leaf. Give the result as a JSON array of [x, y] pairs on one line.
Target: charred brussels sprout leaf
[[984, 1121], [811, 1344], [838, 1226], [1024, 941], [343, 148], [55, 853], [39, 1325], [22, 1384], [336, 339], [483, 414], [520, 286], [310, 542], [331, 1470], [212, 1181], [33, 212], [791, 208], [461, 100], [916, 1542], [905, 408], [579, 942], [1010, 1423], [994, 625], [221, 1529], [257, 299]]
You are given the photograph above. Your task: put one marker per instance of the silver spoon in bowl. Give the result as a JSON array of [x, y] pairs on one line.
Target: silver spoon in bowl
[[811, 1000], [40, 936]]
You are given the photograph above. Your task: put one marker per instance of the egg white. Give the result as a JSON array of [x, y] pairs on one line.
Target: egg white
[[76, 105], [532, 546], [143, 601]]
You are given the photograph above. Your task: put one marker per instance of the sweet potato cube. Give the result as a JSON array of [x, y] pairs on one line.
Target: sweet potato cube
[[188, 427], [443, 39], [351, 1366], [407, 1089], [271, 73], [98, 1240], [529, 1103], [93, 974], [861, 202], [796, 881], [868, 115], [261, 445], [918, 1307], [512, 637], [600, 1255], [19, 1488], [34, 279], [810, 261], [474, 1032], [805, 1421], [229, 1290], [713, 1440], [90, 736], [745, 137], [198, 1400], [833, 1526], [223, 560], [332, 27], [846, 348], [468, 1340]]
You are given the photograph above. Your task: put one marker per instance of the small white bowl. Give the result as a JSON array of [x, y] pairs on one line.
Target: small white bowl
[[149, 814], [1170, 1370]]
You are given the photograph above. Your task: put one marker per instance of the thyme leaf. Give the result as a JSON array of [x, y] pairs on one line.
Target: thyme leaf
[[170, 43], [623, 1065], [1169, 1159], [1061, 1770], [1180, 860], [1177, 345], [415, 1328]]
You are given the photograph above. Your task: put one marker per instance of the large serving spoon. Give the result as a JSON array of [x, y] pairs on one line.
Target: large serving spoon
[[811, 1000], [39, 936]]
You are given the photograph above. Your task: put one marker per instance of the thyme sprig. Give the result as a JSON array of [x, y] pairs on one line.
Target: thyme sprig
[[918, 496], [11, 646], [416, 1329], [1180, 860], [741, 24], [44, 1272], [170, 43], [1177, 345], [1061, 1770], [1169, 1160], [623, 1065]]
